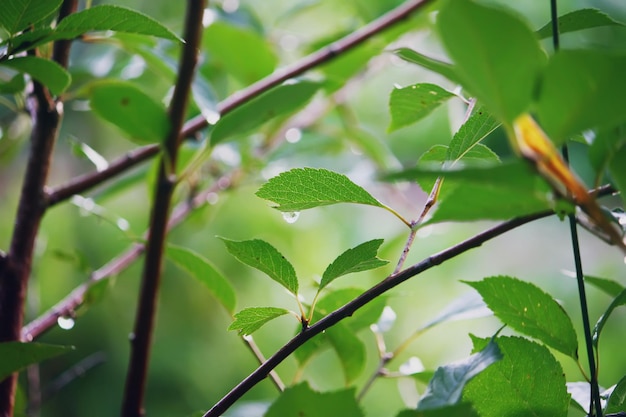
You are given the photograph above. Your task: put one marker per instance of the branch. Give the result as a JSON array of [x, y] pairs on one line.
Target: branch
[[141, 341], [328, 53]]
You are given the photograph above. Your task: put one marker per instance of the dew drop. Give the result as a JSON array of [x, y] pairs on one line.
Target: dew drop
[[291, 216], [66, 323]]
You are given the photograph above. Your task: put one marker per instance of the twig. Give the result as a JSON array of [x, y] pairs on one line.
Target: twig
[[141, 340]]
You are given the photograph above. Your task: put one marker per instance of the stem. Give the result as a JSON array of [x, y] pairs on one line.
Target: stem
[[141, 339]]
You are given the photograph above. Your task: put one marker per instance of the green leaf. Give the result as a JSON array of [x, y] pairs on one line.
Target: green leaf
[[496, 55], [479, 125], [617, 400], [15, 356], [109, 17], [529, 310], [618, 301], [410, 104], [17, 15], [457, 410], [201, 269], [447, 385], [360, 258], [590, 97], [47, 72], [609, 286], [239, 51], [13, 85], [528, 381], [350, 350], [279, 101], [264, 257], [617, 171], [467, 306], [301, 401], [249, 320], [579, 20], [305, 188], [144, 120], [439, 67], [580, 393]]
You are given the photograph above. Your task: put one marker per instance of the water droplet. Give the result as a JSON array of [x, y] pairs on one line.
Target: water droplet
[[293, 135], [66, 323], [291, 216]]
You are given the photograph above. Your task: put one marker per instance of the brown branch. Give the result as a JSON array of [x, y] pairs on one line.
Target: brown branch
[[328, 53], [141, 341]]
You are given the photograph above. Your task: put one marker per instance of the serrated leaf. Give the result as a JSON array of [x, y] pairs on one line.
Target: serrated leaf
[[447, 385], [47, 72], [527, 381], [201, 269], [279, 101], [617, 400], [496, 55], [579, 20], [360, 258], [480, 124], [350, 350], [458, 410], [618, 301], [249, 320], [529, 310], [15, 356], [110, 17], [410, 104], [241, 52], [267, 259], [301, 401], [122, 103], [441, 68], [590, 97], [609, 286], [17, 15]]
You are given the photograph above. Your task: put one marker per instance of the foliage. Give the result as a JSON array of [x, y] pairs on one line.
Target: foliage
[[280, 103]]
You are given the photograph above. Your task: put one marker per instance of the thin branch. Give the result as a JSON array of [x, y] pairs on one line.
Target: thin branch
[[328, 53], [141, 341]]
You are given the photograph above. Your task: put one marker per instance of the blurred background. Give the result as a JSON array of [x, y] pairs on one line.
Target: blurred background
[[195, 360]]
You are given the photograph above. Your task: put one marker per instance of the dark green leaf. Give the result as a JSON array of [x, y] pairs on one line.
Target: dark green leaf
[[350, 350], [264, 257], [617, 400], [305, 188], [14, 85], [278, 101], [109, 17], [133, 111], [201, 269], [618, 301], [496, 55], [590, 97], [249, 320], [617, 171], [606, 143], [17, 15], [447, 385], [96, 292], [478, 126], [458, 410], [360, 258], [439, 67], [15, 356], [410, 104], [609, 286], [528, 381], [529, 310], [579, 20], [47, 72], [301, 401]]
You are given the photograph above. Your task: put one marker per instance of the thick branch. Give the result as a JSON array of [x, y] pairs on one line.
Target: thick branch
[[141, 340], [328, 53]]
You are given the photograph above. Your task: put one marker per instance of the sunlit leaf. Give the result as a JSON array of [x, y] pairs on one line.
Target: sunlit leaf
[[618, 301], [133, 111], [266, 258], [496, 55], [529, 310], [201, 269], [15, 356], [249, 320], [441, 68], [305, 188], [527, 381], [457, 410], [446, 387], [617, 400], [590, 97], [300, 401], [360, 258], [579, 20], [19, 14], [278, 101], [480, 124], [410, 104], [47, 72]]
